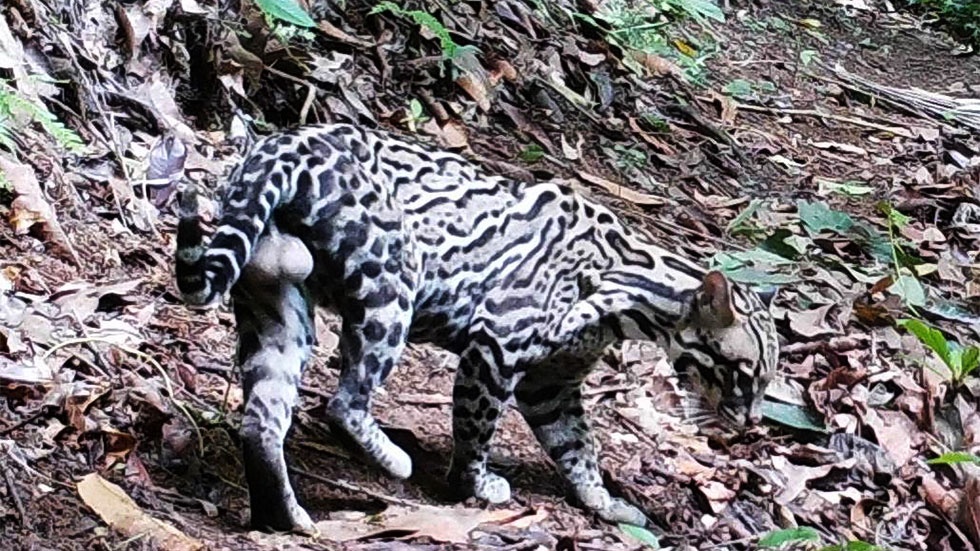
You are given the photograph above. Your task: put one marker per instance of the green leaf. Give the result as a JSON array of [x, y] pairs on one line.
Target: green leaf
[[779, 537], [818, 216], [855, 545], [932, 338], [807, 57], [909, 289], [642, 535], [970, 360], [786, 244], [532, 153], [700, 9], [286, 10], [744, 215], [760, 277], [739, 88], [792, 415], [953, 458], [850, 188], [895, 217], [416, 108]]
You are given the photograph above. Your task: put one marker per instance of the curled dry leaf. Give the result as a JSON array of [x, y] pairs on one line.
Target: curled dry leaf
[[30, 207], [120, 512]]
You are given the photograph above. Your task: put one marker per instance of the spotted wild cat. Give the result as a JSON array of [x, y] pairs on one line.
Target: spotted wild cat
[[528, 284]]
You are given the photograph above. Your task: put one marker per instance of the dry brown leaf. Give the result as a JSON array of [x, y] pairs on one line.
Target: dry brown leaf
[[728, 106], [622, 192], [502, 69], [120, 512], [896, 433], [811, 323], [451, 135], [970, 509], [339, 34], [474, 88], [30, 207], [717, 494], [657, 65], [937, 496], [443, 524]]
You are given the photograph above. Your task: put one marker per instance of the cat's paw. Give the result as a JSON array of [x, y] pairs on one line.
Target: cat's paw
[[618, 510], [491, 487], [293, 519]]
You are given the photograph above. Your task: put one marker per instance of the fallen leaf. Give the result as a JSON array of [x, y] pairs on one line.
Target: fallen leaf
[[811, 323], [30, 207], [451, 135], [443, 524], [970, 509], [844, 147], [896, 433], [120, 512], [636, 197]]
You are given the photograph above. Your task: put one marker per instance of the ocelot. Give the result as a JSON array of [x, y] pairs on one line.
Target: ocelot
[[528, 284]]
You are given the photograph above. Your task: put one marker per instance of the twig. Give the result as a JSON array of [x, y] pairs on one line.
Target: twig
[[817, 114], [836, 344], [352, 488], [310, 91], [588, 393], [14, 493]]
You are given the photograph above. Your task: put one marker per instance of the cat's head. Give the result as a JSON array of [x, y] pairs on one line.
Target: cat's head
[[729, 348]]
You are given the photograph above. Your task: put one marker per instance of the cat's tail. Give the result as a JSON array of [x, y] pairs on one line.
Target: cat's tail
[[206, 271]]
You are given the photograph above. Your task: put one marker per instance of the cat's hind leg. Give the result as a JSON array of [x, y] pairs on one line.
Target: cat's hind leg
[[275, 338]]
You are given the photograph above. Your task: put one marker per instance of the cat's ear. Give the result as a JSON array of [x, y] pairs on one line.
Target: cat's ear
[[713, 302]]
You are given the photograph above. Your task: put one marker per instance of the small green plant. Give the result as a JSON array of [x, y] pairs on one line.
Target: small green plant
[[531, 154], [415, 115], [955, 458], [287, 34], [809, 56], [747, 89], [808, 535], [630, 157], [14, 105], [450, 50], [287, 11], [961, 17], [961, 361], [644, 26], [777, 538], [906, 284], [656, 122]]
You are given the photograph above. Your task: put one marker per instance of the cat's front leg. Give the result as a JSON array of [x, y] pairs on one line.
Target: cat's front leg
[[480, 394], [550, 399]]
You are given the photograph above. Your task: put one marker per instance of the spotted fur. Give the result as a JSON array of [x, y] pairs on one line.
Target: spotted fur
[[528, 284]]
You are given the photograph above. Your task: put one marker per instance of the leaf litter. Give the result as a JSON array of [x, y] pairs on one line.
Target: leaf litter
[[842, 180]]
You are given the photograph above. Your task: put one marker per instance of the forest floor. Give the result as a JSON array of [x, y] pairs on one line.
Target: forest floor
[[785, 145]]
